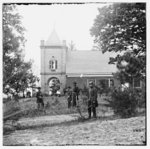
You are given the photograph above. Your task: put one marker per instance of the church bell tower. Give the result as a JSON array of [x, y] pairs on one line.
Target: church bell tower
[[53, 62]]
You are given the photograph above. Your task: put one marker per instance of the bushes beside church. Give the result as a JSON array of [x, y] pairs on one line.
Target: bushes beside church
[[125, 103]]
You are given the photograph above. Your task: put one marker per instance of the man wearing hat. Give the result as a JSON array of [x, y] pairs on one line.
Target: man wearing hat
[[75, 94], [69, 96], [39, 97], [92, 99]]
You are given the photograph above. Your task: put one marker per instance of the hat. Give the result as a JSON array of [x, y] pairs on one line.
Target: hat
[[39, 87], [90, 83], [74, 82]]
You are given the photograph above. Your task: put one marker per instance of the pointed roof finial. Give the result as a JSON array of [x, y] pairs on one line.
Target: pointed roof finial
[[53, 39]]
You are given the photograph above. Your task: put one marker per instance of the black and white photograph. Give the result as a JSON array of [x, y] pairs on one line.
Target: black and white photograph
[[74, 73]]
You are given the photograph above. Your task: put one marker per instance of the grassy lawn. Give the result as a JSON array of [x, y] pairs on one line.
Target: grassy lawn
[[62, 129], [53, 106]]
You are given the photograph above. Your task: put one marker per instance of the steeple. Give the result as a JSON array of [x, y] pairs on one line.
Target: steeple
[[53, 39]]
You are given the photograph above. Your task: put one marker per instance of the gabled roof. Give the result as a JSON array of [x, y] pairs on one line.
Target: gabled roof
[[53, 39], [89, 62]]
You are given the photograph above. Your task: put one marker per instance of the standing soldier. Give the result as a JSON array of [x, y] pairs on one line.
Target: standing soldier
[[69, 96], [75, 94], [92, 100], [39, 97]]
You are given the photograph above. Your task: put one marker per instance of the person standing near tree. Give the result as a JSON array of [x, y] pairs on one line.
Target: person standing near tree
[[92, 100], [39, 97], [75, 94]]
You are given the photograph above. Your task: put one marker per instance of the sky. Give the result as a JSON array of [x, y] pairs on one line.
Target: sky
[[71, 22]]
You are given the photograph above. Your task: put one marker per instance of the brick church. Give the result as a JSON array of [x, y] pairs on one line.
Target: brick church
[[60, 64]]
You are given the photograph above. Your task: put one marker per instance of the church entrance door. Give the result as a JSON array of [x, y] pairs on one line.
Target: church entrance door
[[54, 85]]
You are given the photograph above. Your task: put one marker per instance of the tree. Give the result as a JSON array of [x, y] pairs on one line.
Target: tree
[[72, 46], [16, 71], [121, 28]]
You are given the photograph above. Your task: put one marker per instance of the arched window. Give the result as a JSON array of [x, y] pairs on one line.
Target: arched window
[[53, 64]]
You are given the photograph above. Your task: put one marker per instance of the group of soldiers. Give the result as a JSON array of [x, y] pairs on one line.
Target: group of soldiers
[[73, 98], [73, 95]]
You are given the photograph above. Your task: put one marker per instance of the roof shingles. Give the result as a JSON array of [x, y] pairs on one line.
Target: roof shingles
[[89, 62]]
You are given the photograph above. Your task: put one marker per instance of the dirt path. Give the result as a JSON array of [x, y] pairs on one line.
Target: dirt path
[[45, 120], [96, 132]]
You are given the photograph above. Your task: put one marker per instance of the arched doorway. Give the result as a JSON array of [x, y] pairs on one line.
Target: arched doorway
[[54, 85]]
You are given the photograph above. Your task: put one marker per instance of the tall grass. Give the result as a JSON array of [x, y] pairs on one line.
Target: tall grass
[[10, 107], [53, 106]]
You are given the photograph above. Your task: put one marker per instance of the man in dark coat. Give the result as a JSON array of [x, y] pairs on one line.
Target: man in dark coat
[[39, 97], [69, 96], [92, 100], [75, 94]]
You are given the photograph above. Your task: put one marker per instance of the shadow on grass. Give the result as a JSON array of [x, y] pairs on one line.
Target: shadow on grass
[[77, 121]]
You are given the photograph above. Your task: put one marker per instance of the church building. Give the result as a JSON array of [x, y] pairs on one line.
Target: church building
[[60, 64]]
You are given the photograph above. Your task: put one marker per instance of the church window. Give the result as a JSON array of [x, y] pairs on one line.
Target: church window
[[111, 83], [53, 64], [50, 64], [104, 83]]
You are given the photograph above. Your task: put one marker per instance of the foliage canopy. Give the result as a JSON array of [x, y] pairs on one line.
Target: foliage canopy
[[17, 73], [121, 28]]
